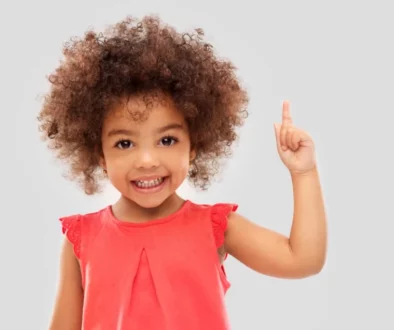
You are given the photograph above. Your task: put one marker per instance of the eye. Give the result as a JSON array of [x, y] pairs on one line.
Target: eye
[[168, 141], [123, 144]]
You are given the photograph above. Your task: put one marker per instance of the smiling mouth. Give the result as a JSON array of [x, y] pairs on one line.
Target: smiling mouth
[[149, 184]]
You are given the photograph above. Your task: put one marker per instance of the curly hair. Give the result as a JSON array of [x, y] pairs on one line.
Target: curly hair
[[135, 56]]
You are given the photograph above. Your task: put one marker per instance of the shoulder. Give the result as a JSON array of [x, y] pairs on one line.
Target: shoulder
[[219, 215], [82, 219], [78, 227], [216, 210]]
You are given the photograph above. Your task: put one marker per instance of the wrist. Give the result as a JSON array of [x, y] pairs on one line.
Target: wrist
[[311, 172]]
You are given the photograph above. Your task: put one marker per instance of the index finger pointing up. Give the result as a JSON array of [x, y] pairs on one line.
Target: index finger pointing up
[[286, 118]]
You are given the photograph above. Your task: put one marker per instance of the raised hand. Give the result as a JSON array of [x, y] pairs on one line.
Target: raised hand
[[295, 147]]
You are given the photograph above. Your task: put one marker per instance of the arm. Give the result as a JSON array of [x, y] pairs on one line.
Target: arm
[[304, 252], [267, 252], [67, 314]]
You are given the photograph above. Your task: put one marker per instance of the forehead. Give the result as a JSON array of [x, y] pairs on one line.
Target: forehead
[[143, 110]]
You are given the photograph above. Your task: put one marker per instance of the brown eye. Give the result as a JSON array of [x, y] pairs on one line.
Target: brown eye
[[168, 141], [123, 144]]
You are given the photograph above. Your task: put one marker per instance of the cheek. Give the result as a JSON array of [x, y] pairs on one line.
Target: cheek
[[179, 162], [117, 167], [184, 167], [115, 163]]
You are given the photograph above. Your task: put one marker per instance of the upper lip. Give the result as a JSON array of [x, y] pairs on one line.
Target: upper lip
[[148, 178]]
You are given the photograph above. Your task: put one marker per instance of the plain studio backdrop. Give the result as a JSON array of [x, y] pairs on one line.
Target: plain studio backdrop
[[332, 60]]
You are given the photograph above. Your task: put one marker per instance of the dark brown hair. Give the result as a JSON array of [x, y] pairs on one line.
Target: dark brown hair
[[138, 56]]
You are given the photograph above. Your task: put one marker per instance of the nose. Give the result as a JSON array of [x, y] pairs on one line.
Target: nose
[[146, 158]]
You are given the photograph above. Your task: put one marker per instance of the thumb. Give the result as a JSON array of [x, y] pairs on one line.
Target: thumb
[[277, 132], [277, 128]]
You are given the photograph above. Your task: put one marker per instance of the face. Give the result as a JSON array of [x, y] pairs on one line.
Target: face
[[146, 160]]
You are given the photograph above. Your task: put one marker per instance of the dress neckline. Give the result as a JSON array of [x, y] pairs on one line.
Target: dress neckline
[[154, 222]]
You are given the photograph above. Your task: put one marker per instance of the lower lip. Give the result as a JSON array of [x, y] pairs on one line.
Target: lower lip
[[150, 190]]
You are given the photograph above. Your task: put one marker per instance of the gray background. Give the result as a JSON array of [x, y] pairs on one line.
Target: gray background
[[333, 60]]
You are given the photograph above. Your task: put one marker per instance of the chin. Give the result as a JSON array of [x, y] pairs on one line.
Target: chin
[[148, 203]]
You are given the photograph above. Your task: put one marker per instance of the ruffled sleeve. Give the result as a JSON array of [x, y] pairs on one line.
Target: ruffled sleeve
[[71, 228], [219, 218]]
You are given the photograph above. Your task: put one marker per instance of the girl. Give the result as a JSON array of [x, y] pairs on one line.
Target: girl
[[146, 108]]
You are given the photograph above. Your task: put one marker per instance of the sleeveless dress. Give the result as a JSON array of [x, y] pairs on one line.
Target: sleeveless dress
[[159, 275]]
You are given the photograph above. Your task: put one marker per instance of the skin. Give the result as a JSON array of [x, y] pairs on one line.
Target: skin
[[146, 150], [67, 313], [303, 253], [156, 147]]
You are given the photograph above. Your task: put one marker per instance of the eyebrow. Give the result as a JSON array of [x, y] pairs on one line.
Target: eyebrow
[[159, 130]]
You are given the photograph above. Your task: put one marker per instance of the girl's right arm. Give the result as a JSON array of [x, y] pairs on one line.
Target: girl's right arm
[[67, 314]]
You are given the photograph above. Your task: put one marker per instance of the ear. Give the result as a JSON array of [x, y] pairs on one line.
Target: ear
[[102, 163], [193, 154]]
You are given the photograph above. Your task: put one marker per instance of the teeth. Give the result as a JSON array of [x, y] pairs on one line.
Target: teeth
[[149, 184]]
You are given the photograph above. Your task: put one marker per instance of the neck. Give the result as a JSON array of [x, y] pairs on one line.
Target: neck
[[127, 210]]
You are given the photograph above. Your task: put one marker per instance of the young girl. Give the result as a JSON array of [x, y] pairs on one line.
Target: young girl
[[146, 108]]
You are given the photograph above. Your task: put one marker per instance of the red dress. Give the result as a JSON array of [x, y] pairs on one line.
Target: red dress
[[160, 275]]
